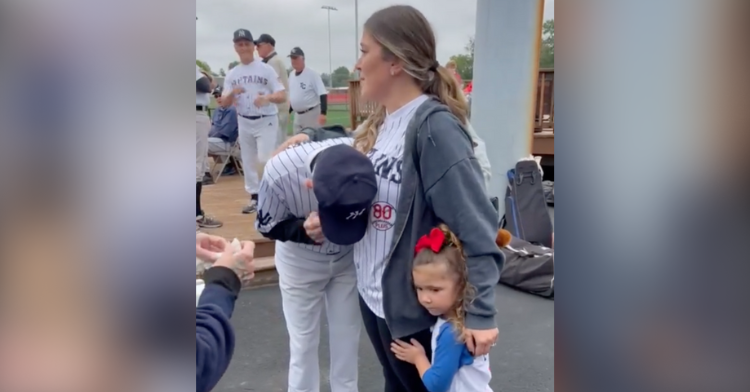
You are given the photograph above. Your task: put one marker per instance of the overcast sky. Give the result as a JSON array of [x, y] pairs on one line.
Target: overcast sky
[[303, 23]]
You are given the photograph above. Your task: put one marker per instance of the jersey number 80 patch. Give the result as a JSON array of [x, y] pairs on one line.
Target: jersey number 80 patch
[[383, 216]]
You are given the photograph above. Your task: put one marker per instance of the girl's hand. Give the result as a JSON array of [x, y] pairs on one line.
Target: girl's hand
[[408, 352]]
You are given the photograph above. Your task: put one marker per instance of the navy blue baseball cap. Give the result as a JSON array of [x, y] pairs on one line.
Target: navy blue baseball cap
[[243, 34], [345, 185]]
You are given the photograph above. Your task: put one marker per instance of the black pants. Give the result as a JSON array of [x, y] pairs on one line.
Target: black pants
[[399, 376]]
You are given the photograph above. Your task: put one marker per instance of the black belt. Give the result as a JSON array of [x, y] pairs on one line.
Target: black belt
[[307, 110], [257, 117], [201, 108]]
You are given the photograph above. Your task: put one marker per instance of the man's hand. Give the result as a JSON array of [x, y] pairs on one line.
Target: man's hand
[[240, 262], [322, 120], [408, 352], [208, 247], [312, 227], [238, 90], [479, 342], [261, 100], [292, 141]]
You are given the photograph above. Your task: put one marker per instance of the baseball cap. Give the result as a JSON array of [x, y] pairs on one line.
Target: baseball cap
[[345, 185], [265, 39], [243, 34], [296, 52]]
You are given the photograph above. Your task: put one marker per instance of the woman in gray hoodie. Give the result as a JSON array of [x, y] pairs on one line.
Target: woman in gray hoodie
[[428, 174]]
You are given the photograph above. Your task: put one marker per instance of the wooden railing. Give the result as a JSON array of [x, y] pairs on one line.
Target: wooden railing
[[544, 117]]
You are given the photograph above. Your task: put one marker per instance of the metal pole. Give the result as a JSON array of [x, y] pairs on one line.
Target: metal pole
[[330, 61], [356, 36]]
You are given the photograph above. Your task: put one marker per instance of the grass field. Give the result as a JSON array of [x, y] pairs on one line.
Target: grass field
[[337, 115]]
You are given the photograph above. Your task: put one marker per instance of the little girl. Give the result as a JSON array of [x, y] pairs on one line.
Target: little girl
[[440, 278]]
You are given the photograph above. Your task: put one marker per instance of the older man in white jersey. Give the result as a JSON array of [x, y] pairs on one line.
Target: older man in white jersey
[[254, 88], [312, 273], [308, 96], [266, 46]]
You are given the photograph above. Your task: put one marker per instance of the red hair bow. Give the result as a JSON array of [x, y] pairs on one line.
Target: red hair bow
[[433, 241]]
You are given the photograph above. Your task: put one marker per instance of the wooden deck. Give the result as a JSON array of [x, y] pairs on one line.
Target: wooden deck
[[224, 201]]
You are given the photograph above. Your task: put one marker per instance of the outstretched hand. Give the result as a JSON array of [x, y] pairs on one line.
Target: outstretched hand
[[292, 141], [209, 247]]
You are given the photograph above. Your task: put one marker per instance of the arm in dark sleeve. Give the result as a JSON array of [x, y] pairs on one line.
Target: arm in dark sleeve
[[450, 172], [324, 104], [290, 230], [203, 85], [214, 336]]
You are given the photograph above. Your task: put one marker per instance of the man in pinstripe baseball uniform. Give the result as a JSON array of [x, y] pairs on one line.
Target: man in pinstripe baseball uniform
[[312, 272]]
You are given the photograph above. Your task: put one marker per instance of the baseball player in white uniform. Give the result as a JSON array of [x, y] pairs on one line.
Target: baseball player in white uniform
[[254, 88], [313, 273], [308, 97]]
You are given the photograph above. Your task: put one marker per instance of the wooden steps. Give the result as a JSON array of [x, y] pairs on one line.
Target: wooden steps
[[224, 201], [265, 272]]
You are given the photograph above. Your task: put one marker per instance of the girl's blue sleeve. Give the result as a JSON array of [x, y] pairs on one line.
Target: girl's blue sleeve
[[447, 361]]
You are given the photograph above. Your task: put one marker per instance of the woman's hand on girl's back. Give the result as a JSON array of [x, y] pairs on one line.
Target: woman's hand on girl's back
[[479, 342]]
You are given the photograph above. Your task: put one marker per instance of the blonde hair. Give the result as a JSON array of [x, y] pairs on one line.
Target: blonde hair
[[450, 64], [405, 34], [452, 255]]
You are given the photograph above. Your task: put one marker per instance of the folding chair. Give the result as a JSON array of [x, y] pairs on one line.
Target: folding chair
[[222, 159]]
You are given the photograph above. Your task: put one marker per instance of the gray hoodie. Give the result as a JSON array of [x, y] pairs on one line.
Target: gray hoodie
[[442, 183]]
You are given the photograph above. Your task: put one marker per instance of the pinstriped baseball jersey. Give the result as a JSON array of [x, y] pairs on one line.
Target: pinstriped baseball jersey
[[387, 156], [283, 194]]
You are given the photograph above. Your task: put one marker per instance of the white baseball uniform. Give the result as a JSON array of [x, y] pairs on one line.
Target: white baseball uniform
[[310, 275], [258, 126], [387, 156], [305, 90]]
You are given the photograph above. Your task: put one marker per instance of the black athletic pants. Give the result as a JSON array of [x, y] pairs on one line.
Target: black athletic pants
[[198, 189], [399, 376]]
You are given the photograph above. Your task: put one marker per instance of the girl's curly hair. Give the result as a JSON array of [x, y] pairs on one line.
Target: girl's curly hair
[[452, 255]]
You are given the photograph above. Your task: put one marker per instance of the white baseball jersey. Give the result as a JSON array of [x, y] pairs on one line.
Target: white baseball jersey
[[474, 377], [201, 98], [387, 156], [256, 78], [284, 195], [305, 89]]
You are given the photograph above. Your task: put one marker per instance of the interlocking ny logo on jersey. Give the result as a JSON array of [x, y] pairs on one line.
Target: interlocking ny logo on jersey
[[241, 33], [355, 214], [264, 218]]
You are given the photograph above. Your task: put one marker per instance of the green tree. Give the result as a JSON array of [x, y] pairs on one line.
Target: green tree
[[547, 53], [234, 64], [464, 65], [465, 61], [326, 78], [340, 77], [203, 66]]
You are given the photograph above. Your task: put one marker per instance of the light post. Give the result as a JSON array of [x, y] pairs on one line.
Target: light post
[[330, 61], [356, 37]]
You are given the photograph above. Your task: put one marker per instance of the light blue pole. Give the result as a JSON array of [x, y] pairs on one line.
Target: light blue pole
[[506, 68]]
